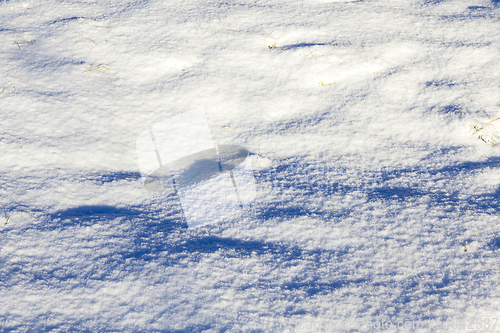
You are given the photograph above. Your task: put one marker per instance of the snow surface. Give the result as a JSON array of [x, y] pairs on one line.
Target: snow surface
[[369, 176]]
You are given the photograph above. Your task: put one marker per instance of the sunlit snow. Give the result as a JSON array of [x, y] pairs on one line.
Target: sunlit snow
[[373, 138]]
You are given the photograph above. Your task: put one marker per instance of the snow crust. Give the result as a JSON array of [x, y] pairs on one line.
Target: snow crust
[[369, 174]]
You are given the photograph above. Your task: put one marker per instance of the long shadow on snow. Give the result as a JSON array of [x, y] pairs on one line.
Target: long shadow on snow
[[197, 246], [149, 242], [485, 202], [110, 177], [91, 212], [294, 179], [304, 45], [88, 215], [300, 45], [282, 255]]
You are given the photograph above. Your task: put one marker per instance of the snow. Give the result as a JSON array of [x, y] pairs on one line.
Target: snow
[[369, 174]]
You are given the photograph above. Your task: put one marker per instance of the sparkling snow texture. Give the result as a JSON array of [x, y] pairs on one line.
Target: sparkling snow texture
[[369, 178]]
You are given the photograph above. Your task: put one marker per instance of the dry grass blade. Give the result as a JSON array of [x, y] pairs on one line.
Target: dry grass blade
[[7, 86], [91, 67]]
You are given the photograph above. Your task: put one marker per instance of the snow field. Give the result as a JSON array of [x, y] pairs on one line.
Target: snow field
[[367, 105]]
